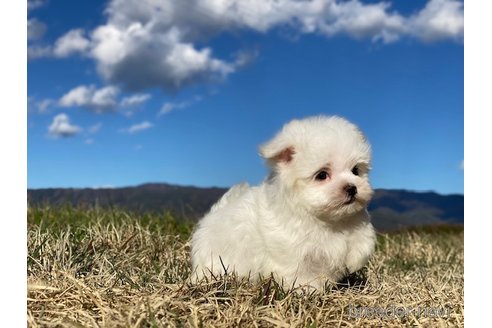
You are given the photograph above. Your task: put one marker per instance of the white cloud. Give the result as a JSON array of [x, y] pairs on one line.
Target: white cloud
[[139, 127], [89, 141], [245, 57], [137, 57], [171, 106], [195, 20], [97, 100], [168, 107], [61, 127], [95, 128], [72, 42], [35, 29], [34, 4], [133, 103], [462, 165], [440, 19], [44, 105], [101, 100], [371, 21], [134, 100], [38, 51], [163, 43]]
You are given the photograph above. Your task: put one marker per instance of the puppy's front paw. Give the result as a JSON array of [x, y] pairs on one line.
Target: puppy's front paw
[[356, 261]]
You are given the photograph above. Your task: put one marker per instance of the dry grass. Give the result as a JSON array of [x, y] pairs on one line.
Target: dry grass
[[111, 269]]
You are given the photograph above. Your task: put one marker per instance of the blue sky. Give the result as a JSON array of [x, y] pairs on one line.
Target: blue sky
[[125, 92]]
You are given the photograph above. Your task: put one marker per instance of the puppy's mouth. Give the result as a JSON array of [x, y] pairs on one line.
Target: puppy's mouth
[[350, 200]]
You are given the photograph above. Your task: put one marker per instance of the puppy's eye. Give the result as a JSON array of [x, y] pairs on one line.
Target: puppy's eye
[[322, 175], [355, 170]]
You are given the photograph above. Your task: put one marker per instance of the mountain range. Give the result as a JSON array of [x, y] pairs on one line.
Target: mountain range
[[390, 209]]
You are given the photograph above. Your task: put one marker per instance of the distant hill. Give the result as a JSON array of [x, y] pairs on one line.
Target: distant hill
[[395, 209], [390, 209]]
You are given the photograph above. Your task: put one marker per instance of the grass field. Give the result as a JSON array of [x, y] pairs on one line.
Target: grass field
[[109, 268]]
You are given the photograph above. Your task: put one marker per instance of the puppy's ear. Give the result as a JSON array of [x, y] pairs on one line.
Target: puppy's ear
[[277, 151]]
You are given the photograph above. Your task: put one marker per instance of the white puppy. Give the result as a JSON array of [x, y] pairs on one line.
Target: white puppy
[[307, 222]]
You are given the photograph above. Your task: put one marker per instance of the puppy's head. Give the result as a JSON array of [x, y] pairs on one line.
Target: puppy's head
[[321, 164]]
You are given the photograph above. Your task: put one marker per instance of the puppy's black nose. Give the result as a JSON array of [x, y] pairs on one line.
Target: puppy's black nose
[[351, 190]]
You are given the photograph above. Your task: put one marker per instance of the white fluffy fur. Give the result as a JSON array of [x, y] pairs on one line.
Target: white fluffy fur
[[292, 225]]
